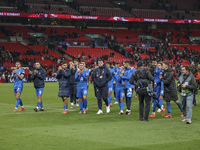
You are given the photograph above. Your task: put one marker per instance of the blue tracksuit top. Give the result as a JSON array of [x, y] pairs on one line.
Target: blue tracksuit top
[[18, 83], [82, 78], [110, 83], [118, 80], [159, 87], [126, 76], [115, 69]]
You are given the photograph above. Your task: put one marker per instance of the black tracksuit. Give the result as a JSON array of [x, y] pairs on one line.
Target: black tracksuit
[[101, 76]]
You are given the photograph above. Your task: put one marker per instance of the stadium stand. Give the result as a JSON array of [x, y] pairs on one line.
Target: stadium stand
[[43, 2], [8, 9], [50, 58], [2, 35], [95, 53], [102, 3], [53, 9], [105, 12], [152, 14], [23, 30], [69, 34], [188, 15], [122, 35]]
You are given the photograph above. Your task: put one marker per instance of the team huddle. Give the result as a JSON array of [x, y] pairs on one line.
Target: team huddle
[[73, 81]]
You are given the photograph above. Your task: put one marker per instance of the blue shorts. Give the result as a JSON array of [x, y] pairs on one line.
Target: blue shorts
[[17, 90], [81, 91], [113, 86], [129, 92], [39, 91], [119, 93], [110, 88]]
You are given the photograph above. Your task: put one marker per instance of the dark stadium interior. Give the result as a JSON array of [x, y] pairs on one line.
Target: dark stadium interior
[[51, 41]]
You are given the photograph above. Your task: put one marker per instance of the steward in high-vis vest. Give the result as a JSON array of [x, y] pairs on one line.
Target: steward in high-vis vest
[[186, 85]]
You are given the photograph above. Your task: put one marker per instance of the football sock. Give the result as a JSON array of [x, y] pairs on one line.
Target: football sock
[[159, 105], [180, 106], [85, 103], [122, 105], [21, 104], [119, 105], [66, 107], [17, 103], [38, 104], [169, 108], [109, 100], [81, 105], [160, 102], [41, 105], [128, 103]]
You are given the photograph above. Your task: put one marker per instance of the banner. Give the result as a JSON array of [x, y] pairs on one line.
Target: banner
[[48, 79], [108, 18], [16, 39], [21, 67], [12, 80]]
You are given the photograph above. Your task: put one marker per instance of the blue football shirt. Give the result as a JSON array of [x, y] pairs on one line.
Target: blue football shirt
[[18, 83]]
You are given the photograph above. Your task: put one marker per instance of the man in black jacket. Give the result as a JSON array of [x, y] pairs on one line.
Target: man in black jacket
[[142, 77], [73, 84], [170, 91], [38, 76], [101, 76]]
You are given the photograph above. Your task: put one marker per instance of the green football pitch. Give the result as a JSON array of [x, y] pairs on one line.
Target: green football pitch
[[29, 130]]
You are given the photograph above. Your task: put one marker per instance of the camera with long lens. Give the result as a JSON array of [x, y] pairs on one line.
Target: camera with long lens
[[152, 69]]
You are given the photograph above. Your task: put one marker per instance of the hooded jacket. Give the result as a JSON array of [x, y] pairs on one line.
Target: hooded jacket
[[169, 85], [101, 76], [39, 78]]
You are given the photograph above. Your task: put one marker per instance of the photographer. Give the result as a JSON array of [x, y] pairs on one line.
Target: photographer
[[187, 84], [143, 78]]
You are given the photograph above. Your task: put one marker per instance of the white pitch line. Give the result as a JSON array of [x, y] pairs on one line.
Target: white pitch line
[[19, 113], [33, 106]]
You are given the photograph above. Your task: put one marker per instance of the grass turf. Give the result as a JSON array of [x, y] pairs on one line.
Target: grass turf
[[50, 129]]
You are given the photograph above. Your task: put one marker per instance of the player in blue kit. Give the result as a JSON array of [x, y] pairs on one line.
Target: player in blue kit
[[18, 76], [81, 77], [159, 87], [128, 88], [116, 69], [63, 76], [119, 90], [38, 78], [110, 84], [87, 72]]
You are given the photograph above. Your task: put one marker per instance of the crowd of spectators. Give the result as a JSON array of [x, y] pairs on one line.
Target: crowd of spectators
[[6, 56]]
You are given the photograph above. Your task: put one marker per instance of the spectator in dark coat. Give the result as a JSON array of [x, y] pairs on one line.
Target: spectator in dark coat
[[47, 51], [44, 51]]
